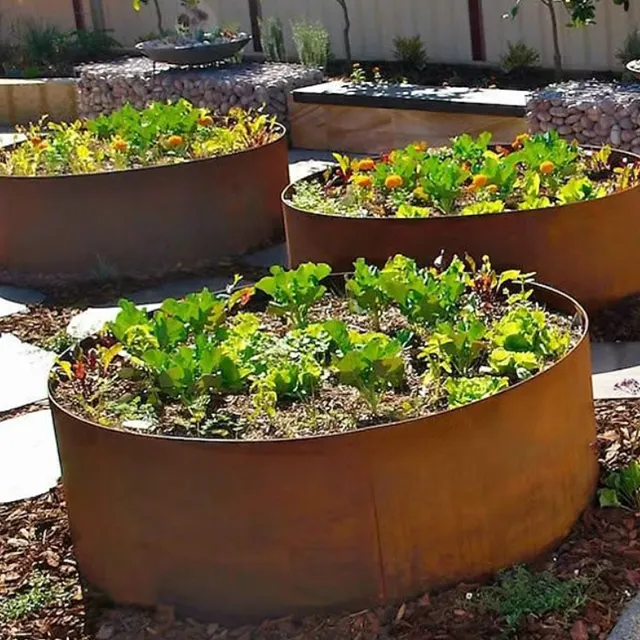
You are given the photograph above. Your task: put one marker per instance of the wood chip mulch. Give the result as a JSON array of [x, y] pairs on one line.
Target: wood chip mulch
[[40, 325], [603, 548]]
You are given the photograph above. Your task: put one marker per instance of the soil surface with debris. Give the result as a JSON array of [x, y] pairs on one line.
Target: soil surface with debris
[[603, 549]]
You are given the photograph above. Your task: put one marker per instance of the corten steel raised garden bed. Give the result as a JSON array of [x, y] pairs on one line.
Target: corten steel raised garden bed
[[142, 222], [241, 530], [587, 249]]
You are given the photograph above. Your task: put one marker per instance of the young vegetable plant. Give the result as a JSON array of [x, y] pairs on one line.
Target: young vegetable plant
[[462, 391], [363, 289], [452, 333], [455, 347], [370, 362], [622, 488], [522, 340], [423, 295], [163, 133], [293, 293]]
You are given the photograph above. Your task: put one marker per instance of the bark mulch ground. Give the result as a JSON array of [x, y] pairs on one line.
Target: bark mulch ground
[[42, 596]]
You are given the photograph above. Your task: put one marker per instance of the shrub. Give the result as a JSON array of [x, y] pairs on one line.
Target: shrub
[[273, 40], [312, 43], [88, 45], [44, 45], [519, 57], [410, 52]]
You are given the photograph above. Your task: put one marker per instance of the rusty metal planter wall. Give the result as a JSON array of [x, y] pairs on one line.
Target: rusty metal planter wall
[[588, 249], [141, 222], [241, 530]]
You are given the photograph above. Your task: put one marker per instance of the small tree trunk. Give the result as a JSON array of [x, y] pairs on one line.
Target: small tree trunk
[[78, 13], [557, 56], [347, 29], [159, 17]]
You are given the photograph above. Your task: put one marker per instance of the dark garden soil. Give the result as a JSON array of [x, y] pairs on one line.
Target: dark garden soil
[[603, 550], [465, 75]]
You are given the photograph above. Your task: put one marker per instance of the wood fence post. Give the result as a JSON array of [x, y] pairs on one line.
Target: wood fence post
[[255, 15], [476, 25]]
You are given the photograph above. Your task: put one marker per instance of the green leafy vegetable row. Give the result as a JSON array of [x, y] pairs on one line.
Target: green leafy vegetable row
[[457, 331], [130, 138], [467, 178]]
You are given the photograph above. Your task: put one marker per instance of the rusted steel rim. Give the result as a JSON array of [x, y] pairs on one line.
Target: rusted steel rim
[[586, 248], [144, 222], [245, 530]]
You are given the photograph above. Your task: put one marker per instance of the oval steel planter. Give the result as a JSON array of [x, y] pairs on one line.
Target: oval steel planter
[[242, 530], [195, 55], [587, 249], [141, 222]]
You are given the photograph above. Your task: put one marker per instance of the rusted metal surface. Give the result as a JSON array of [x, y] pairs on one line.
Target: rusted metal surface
[[141, 222], [587, 249], [238, 531]]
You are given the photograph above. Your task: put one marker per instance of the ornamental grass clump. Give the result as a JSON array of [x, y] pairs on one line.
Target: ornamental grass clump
[[468, 177], [304, 352], [161, 134]]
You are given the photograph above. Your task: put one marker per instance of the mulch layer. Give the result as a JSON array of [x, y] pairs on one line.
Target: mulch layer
[[603, 549]]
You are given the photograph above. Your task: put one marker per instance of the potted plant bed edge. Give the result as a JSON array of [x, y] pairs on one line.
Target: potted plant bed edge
[[244, 530], [584, 248]]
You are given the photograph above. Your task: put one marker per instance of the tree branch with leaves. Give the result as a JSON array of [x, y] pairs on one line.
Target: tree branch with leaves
[[137, 5], [580, 12]]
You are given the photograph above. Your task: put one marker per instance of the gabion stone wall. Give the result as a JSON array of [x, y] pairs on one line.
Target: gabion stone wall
[[591, 112], [105, 87]]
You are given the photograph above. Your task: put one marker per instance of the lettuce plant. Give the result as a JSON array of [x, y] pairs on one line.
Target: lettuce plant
[[622, 488], [294, 292]]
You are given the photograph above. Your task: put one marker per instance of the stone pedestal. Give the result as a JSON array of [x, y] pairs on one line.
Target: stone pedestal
[[594, 113], [104, 88]]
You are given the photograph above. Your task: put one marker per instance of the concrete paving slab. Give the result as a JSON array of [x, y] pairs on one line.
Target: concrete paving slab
[[23, 374], [93, 319], [8, 138], [14, 299], [303, 163], [178, 289], [628, 625], [29, 463], [277, 254], [616, 370]]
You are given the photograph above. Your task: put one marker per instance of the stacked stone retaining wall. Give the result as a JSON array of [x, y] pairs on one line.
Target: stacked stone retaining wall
[[104, 88], [594, 113]]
